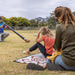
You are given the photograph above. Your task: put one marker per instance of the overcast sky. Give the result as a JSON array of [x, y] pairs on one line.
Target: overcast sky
[[32, 8]]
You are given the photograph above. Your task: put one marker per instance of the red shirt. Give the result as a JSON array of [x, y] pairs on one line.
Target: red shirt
[[48, 42]]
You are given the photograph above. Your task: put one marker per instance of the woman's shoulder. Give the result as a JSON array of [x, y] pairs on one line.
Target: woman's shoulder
[[43, 36], [60, 25], [50, 37]]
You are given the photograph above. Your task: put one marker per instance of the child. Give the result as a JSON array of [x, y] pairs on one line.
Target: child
[[48, 39], [3, 34]]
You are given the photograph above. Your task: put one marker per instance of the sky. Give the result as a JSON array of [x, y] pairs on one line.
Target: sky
[[31, 9]]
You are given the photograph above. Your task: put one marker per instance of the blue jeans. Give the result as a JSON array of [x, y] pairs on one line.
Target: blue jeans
[[59, 61]]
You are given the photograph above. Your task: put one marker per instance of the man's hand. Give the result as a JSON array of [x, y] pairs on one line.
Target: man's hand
[[26, 40], [3, 24]]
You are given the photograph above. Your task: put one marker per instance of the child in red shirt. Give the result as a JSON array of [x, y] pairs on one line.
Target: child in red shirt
[[48, 39]]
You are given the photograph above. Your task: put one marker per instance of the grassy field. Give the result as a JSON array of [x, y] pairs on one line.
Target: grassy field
[[13, 48]]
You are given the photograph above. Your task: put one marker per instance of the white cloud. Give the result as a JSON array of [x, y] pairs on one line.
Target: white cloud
[[32, 8]]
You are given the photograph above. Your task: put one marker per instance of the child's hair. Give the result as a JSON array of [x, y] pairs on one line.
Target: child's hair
[[46, 31], [65, 15]]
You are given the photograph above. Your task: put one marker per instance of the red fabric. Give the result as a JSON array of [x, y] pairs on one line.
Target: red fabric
[[48, 42]]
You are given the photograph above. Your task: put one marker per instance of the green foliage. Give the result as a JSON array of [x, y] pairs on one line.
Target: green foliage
[[16, 21], [5, 20], [52, 22], [74, 13], [37, 23], [33, 23], [19, 21], [42, 24]]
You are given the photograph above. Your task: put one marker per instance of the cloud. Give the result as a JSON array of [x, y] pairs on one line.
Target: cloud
[[32, 8]]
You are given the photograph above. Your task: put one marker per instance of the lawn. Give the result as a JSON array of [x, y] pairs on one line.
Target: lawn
[[13, 48]]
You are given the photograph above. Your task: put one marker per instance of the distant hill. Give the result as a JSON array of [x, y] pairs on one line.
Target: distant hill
[[40, 19]]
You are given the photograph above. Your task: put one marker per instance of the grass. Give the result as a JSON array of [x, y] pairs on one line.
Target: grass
[[13, 48]]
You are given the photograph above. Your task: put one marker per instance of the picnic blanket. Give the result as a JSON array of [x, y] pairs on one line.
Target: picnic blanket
[[36, 58]]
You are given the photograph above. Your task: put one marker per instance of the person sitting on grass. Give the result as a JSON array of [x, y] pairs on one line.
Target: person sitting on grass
[[65, 40], [48, 39], [3, 34]]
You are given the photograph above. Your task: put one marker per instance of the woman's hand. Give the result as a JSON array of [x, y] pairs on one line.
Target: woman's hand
[[38, 39], [39, 31], [54, 51]]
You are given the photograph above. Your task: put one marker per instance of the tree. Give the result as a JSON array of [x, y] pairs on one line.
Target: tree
[[18, 21], [74, 13], [33, 23], [42, 24], [51, 22], [5, 20]]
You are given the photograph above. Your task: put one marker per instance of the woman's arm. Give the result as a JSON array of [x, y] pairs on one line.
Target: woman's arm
[[38, 39], [58, 40]]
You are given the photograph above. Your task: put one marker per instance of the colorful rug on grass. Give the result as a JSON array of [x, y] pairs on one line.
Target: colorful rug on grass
[[36, 58]]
